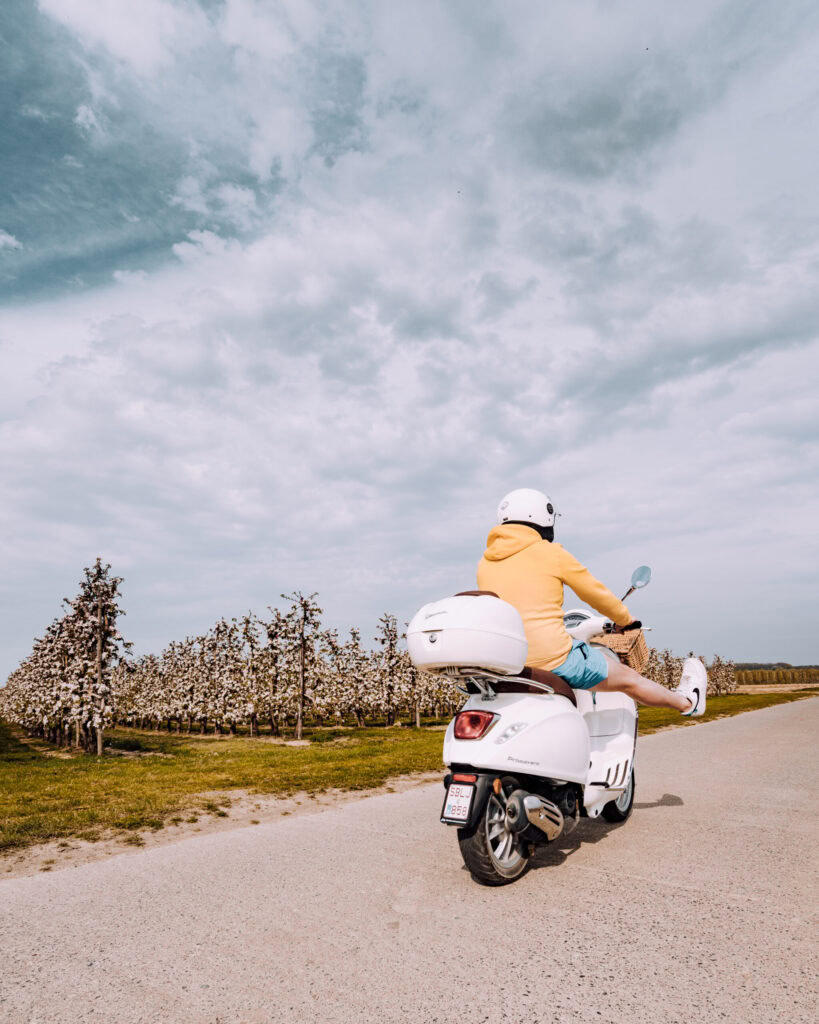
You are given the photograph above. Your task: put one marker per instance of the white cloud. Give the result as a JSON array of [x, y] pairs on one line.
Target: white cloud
[[189, 194], [129, 276], [36, 113], [238, 204], [144, 38], [89, 121], [8, 241], [261, 29]]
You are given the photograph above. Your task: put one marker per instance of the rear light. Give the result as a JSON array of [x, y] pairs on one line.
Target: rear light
[[471, 725], [464, 778]]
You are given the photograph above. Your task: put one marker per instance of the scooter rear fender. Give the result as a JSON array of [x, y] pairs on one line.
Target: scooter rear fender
[[483, 787]]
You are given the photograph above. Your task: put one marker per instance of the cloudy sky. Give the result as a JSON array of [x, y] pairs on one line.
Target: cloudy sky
[[294, 291]]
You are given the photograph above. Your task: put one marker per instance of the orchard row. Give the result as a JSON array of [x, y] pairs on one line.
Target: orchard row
[[275, 671]]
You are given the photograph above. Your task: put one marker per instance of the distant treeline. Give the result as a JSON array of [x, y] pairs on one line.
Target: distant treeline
[[768, 677], [771, 666]]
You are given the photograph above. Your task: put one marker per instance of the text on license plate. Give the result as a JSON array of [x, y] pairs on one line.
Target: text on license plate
[[458, 801]]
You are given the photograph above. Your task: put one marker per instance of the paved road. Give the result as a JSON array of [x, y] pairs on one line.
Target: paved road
[[697, 910]]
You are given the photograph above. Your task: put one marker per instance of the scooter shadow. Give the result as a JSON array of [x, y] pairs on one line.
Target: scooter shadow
[[666, 800], [589, 832]]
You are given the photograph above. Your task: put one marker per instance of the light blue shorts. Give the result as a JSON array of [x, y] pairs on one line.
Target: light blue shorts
[[584, 666]]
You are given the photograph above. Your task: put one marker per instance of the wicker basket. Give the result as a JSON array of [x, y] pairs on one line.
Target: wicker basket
[[631, 647]]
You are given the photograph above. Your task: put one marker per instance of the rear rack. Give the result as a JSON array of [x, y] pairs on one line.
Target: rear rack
[[483, 680]]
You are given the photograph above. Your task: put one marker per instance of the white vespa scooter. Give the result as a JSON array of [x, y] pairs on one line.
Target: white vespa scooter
[[528, 756]]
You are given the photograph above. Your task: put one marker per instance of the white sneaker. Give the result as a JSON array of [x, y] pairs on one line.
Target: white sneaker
[[693, 685]]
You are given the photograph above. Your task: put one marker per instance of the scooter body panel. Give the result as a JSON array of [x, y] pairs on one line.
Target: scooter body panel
[[592, 745], [611, 720], [536, 734]]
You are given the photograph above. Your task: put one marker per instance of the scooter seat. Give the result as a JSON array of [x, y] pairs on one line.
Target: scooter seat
[[557, 683]]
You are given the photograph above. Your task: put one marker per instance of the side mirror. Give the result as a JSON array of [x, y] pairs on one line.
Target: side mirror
[[641, 577]]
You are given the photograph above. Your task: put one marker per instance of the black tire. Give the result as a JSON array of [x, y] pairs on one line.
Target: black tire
[[479, 857], [613, 812]]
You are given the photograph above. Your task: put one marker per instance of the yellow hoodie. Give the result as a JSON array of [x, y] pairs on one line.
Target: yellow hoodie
[[529, 573]]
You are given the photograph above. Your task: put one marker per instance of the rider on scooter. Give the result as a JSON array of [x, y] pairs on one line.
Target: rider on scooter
[[523, 566]]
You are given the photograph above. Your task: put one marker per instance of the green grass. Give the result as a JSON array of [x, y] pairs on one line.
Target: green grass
[[44, 797]]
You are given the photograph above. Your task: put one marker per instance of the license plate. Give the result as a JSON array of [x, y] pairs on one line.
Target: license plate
[[457, 803]]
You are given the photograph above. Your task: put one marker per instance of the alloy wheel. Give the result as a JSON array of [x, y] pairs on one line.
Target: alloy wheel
[[504, 845]]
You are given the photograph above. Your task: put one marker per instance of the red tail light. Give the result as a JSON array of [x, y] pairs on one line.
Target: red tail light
[[471, 725]]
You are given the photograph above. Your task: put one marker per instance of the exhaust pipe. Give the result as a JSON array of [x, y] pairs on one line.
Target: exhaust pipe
[[543, 814], [524, 809]]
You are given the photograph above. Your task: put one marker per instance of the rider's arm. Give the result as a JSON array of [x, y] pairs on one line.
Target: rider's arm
[[591, 590]]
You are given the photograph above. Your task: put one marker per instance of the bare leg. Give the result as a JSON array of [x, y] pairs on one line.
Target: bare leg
[[623, 679]]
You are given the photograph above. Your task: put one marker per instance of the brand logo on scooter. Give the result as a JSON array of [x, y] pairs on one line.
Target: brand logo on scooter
[[518, 760], [432, 615]]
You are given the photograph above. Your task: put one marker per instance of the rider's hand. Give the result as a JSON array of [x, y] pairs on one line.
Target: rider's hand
[[634, 624]]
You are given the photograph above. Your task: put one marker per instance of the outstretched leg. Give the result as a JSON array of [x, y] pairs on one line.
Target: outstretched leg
[[622, 679]]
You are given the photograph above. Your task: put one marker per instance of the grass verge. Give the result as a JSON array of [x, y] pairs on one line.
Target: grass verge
[[157, 776]]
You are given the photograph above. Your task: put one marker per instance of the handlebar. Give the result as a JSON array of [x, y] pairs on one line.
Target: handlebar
[[637, 624]]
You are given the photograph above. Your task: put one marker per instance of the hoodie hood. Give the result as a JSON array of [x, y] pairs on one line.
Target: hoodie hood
[[508, 539]]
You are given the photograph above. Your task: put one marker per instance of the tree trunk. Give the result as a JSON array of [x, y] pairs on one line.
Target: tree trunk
[[300, 709], [389, 695], [417, 716], [254, 725], [99, 696], [232, 728]]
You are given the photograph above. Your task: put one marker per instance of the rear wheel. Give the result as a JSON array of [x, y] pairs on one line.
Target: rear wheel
[[494, 854], [621, 808]]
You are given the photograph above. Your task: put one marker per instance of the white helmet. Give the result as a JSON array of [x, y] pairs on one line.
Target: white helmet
[[527, 506]]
